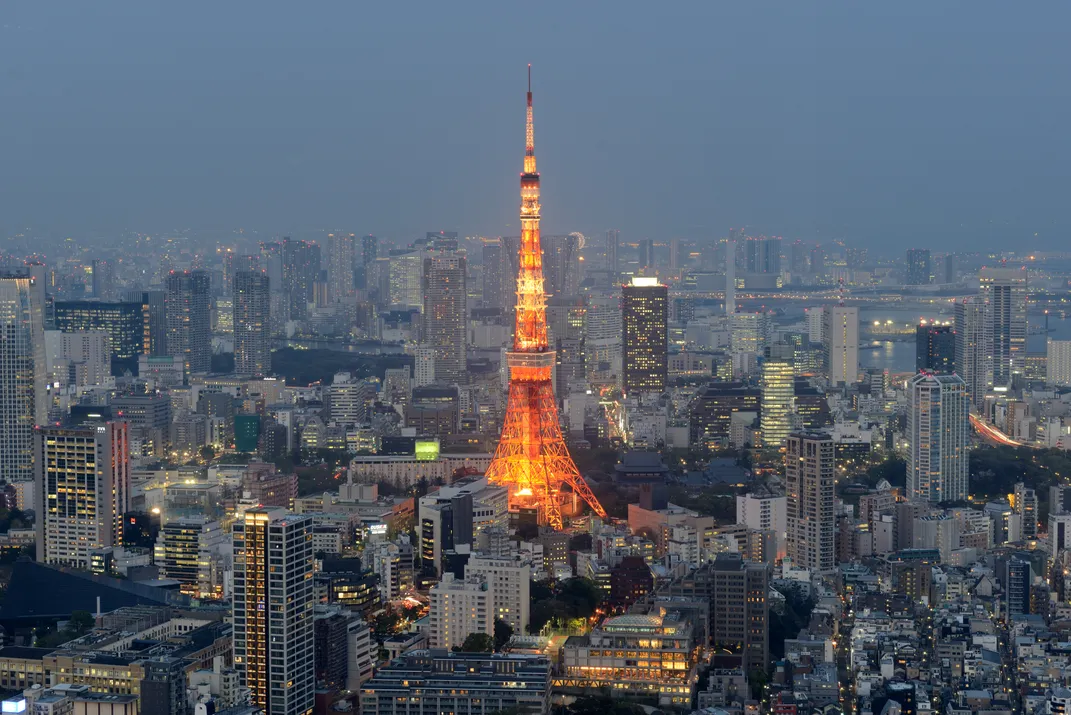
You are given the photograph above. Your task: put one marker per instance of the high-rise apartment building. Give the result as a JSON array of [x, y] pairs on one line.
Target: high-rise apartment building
[[973, 361], [23, 400], [935, 348], [273, 610], [561, 265], [459, 607], [154, 318], [189, 327], [810, 480], [300, 269], [778, 393], [1026, 506], [919, 269], [509, 580], [613, 240], [645, 253], [1004, 293], [740, 609], [83, 490], [644, 312], [341, 260], [1058, 363], [406, 270], [252, 323], [602, 336], [369, 249], [840, 332], [938, 435], [763, 255], [445, 313], [494, 282]]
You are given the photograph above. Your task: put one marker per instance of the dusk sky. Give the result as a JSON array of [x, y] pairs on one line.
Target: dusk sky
[[887, 124]]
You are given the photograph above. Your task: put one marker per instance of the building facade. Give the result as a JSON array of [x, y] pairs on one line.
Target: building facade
[[252, 323], [189, 327], [445, 313], [810, 479], [938, 434], [645, 318], [840, 332]]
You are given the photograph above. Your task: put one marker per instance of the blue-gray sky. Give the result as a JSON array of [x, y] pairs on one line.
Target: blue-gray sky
[[882, 123]]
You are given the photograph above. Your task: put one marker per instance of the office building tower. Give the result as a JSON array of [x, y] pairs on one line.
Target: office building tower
[[1058, 363], [163, 689], [406, 272], [763, 255], [458, 608], [919, 271], [613, 241], [740, 609], [273, 610], [645, 253], [938, 435], [1004, 293], [23, 400], [855, 258], [561, 265], [83, 490], [749, 332], [123, 322], [1019, 576], [602, 336], [730, 277], [103, 280], [81, 359], [184, 551], [645, 319], [154, 319], [840, 333], [710, 415], [508, 578], [818, 261], [797, 257], [189, 333], [973, 361], [935, 348], [809, 487], [494, 283], [445, 313], [1026, 506], [778, 393], [951, 268], [300, 268], [341, 260], [252, 323], [675, 262]]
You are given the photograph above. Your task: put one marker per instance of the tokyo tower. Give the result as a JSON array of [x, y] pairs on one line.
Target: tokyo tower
[[532, 459]]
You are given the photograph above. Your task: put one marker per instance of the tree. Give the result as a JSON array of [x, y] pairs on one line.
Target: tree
[[503, 632], [478, 643], [208, 453], [81, 621], [602, 705]]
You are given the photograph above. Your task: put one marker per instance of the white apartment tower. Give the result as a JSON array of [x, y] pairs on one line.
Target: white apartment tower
[[1058, 363], [938, 434], [273, 610], [840, 333], [509, 579], [458, 608], [445, 313], [83, 490], [22, 374], [1004, 293]]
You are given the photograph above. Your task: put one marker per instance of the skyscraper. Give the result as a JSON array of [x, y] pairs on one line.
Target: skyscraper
[[341, 259], [778, 393], [252, 327], [561, 265], [23, 401], [763, 255], [840, 332], [938, 435], [153, 319], [613, 240], [406, 270], [301, 266], [645, 253], [494, 294], [740, 609], [919, 270], [935, 348], [602, 336], [748, 332], [445, 313], [1058, 363], [809, 486], [1004, 292], [1026, 506], [973, 363], [645, 319], [273, 609], [189, 333], [83, 490]]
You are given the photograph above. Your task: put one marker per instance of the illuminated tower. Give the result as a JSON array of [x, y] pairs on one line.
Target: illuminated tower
[[531, 458]]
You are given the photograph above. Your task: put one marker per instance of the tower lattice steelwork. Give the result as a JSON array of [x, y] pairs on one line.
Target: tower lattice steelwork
[[532, 459]]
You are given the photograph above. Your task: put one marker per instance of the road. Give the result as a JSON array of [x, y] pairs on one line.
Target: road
[[992, 434]]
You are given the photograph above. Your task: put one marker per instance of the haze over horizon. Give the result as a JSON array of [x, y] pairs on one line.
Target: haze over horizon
[[886, 125]]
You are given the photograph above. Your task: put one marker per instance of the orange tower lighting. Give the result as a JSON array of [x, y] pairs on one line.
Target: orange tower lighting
[[532, 459]]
